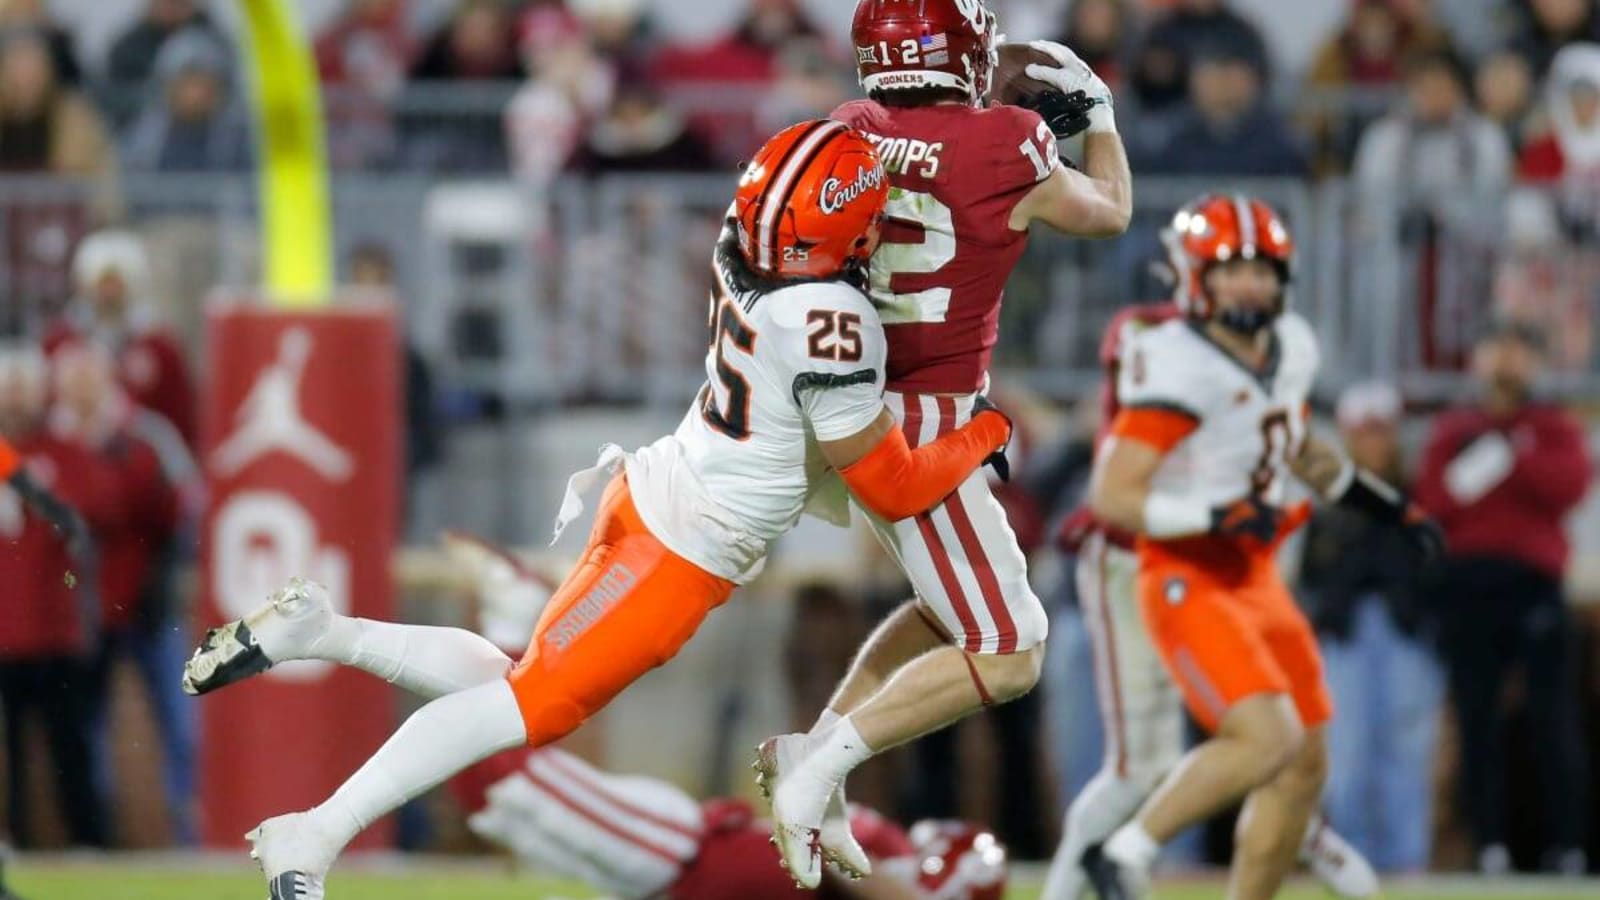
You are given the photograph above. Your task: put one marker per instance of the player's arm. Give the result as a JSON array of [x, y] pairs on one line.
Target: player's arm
[[1122, 491], [895, 481], [64, 518], [1094, 203], [1335, 477]]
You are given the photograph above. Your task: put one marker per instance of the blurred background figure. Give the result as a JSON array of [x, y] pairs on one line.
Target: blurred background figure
[[192, 120], [1359, 588], [1103, 34], [48, 612], [363, 56], [113, 307], [1545, 26], [641, 132], [569, 86], [476, 45], [1192, 29], [140, 612], [1500, 473], [46, 126], [1229, 127], [18, 15], [133, 55]]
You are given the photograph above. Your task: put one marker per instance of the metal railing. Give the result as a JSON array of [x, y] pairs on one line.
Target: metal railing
[[595, 290]]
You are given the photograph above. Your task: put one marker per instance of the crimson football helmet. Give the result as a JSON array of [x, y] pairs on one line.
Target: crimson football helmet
[[908, 44], [958, 861], [810, 205], [1217, 228]]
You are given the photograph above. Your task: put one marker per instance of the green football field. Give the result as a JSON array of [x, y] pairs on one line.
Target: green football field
[[98, 879]]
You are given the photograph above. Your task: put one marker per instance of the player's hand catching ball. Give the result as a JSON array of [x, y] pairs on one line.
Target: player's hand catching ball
[[996, 460], [1072, 75], [1067, 115], [1249, 517]]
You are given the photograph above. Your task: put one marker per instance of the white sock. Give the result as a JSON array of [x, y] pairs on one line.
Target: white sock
[[1104, 803], [1133, 846], [427, 660], [827, 720], [839, 751], [439, 740]]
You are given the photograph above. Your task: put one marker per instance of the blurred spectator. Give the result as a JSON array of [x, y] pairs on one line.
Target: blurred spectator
[[748, 53], [569, 86], [1102, 33], [1358, 585], [1501, 473], [138, 556], [44, 126], [1191, 30], [1355, 68], [809, 85], [640, 133], [1434, 145], [371, 265], [33, 14], [363, 57], [1371, 49], [192, 121], [113, 307], [1230, 128], [475, 46], [1503, 87], [133, 55], [1570, 151], [47, 611], [616, 28], [1549, 25]]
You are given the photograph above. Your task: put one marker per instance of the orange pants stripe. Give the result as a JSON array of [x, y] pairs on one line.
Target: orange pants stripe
[[628, 607]]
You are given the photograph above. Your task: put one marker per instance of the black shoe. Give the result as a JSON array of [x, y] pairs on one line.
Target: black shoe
[[1111, 880]]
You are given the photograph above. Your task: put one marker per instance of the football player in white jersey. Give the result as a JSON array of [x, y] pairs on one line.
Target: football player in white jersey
[[794, 397], [1215, 414]]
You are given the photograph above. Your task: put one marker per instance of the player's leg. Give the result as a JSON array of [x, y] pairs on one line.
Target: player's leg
[[1140, 707], [1215, 652], [1268, 835], [1272, 826], [628, 607], [904, 635], [628, 836], [299, 622]]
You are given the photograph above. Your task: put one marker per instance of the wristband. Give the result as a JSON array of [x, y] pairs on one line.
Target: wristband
[[1102, 118], [1166, 516]]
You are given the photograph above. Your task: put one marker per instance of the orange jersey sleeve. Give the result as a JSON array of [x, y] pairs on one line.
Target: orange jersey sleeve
[[1162, 427]]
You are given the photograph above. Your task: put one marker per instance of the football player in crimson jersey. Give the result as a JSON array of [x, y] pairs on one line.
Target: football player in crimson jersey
[[1139, 704], [968, 180], [635, 837], [792, 411], [1214, 416]]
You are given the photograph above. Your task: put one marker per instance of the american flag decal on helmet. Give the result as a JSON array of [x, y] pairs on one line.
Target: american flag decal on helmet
[[936, 49]]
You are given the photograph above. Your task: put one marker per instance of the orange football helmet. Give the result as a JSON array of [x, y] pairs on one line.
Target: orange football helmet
[[810, 205], [1217, 228]]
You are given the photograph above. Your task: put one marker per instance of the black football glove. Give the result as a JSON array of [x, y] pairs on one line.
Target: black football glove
[[1249, 517], [1067, 115], [996, 460]]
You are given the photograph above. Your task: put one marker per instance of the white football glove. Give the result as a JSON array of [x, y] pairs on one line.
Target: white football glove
[[1073, 74]]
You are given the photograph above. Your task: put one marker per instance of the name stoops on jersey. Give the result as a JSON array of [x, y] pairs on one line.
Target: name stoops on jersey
[[899, 155]]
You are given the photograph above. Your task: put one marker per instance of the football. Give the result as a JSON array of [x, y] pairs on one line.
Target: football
[[1011, 83]]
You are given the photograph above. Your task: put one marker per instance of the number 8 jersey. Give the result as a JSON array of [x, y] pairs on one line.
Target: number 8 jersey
[[1231, 431], [784, 370], [956, 173]]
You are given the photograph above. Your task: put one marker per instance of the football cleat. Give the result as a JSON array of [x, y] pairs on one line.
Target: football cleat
[[839, 844], [284, 628], [296, 866], [1111, 878], [797, 808], [1333, 861]]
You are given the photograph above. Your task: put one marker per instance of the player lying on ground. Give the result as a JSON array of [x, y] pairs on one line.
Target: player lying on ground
[[969, 180], [1140, 706], [1215, 415], [635, 837], [794, 395]]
